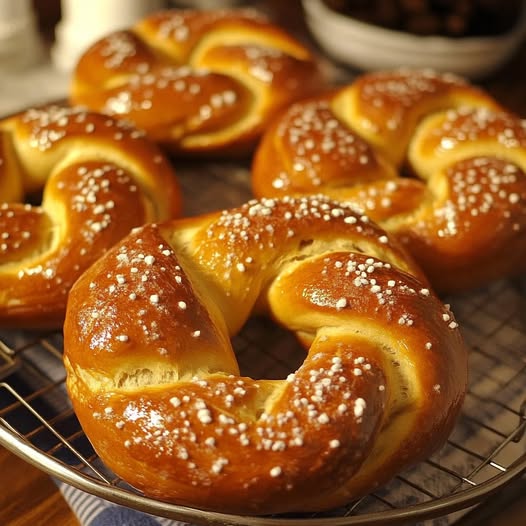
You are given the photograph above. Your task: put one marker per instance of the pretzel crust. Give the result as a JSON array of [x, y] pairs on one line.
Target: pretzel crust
[[99, 177], [432, 159], [197, 81], [156, 385]]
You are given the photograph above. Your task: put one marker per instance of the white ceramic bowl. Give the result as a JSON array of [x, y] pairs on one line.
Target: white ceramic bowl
[[369, 47]]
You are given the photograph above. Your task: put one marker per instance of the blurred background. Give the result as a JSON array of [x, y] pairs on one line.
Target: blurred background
[[41, 40]]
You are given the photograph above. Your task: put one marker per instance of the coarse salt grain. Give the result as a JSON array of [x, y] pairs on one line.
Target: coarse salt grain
[[276, 471], [341, 304]]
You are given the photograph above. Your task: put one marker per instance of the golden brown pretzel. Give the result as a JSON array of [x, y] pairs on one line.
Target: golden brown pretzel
[[197, 81], [99, 177], [156, 385], [463, 217]]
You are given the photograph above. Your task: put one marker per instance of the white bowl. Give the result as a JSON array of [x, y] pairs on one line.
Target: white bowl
[[370, 47]]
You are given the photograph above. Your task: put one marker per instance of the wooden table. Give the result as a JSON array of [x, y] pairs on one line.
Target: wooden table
[[29, 497]]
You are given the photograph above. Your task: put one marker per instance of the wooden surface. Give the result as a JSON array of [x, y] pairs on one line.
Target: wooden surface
[[29, 497]]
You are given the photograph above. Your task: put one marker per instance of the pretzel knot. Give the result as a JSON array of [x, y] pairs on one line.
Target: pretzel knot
[[157, 388], [99, 178], [461, 211], [197, 81]]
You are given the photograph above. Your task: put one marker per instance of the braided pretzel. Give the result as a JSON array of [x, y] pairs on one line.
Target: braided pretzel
[[100, 178], [197, 81], [463, 218], [157, 389]]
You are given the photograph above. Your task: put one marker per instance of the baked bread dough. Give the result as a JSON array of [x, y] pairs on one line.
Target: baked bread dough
[[99, 178], [157, 388], [434, 160]]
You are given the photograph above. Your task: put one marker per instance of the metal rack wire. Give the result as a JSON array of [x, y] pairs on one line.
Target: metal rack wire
[[486, 451]]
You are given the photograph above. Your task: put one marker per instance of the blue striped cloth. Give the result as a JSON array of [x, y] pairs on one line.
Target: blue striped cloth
[[94, 511]]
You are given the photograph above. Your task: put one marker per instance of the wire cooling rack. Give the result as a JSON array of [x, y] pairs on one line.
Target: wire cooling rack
[[485, 453]]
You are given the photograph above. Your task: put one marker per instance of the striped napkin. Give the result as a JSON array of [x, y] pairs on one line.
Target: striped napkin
[[94, 511]]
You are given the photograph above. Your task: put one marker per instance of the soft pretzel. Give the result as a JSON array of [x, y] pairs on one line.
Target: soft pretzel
[[99, 178], [462, 211], [157, 389], [197, 81]]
